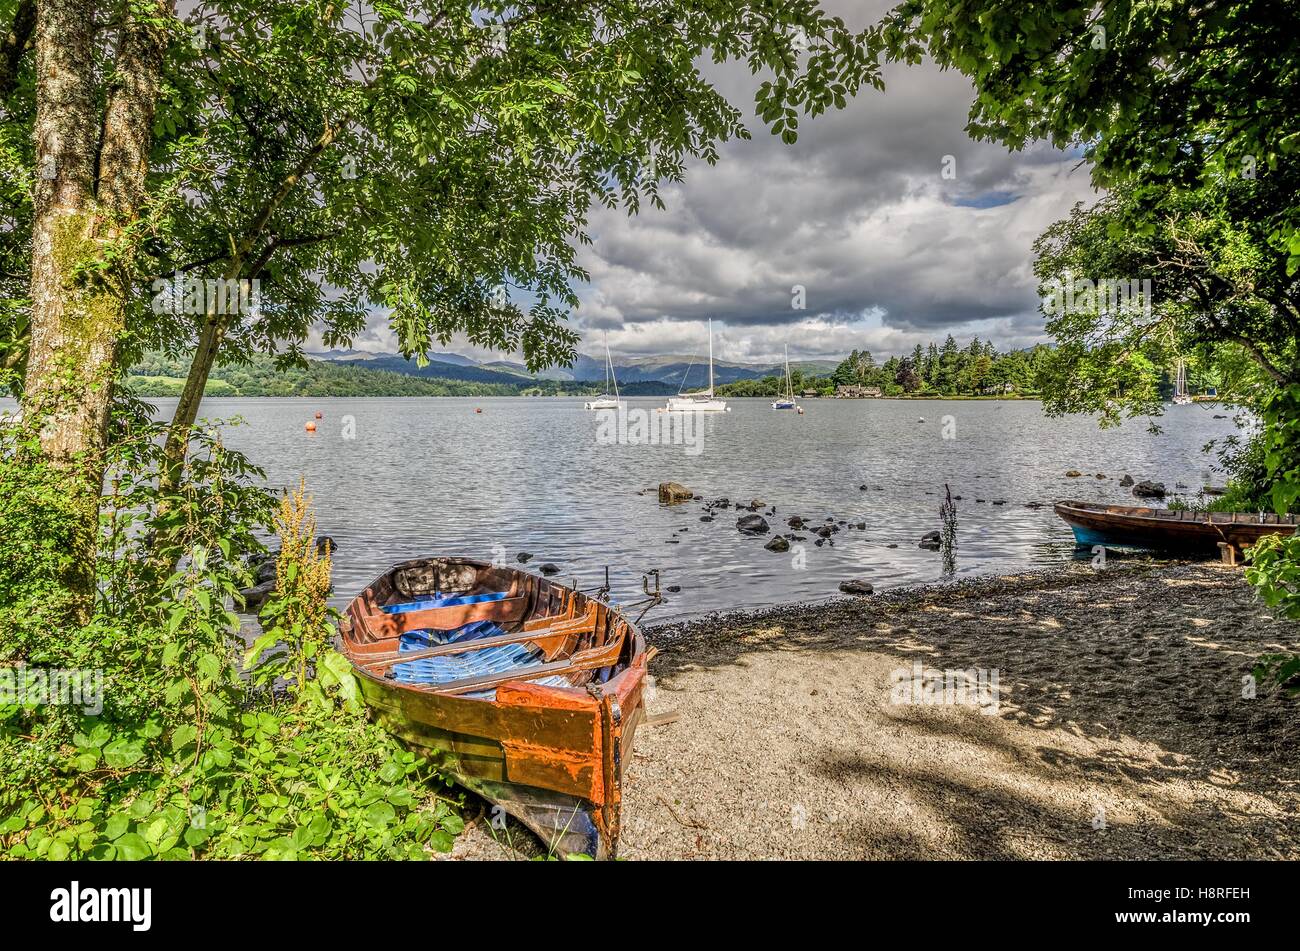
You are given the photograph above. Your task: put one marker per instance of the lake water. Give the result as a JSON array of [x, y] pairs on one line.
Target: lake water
[[432, 476]]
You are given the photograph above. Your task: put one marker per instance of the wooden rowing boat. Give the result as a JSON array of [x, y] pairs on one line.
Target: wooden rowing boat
[[523, 690], [1169, 530]]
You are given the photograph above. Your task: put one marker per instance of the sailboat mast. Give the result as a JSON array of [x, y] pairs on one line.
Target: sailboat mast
[[612, 375], [710, 357], [607, 362]]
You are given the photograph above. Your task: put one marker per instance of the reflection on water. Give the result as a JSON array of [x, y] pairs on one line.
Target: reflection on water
[[433, 476]]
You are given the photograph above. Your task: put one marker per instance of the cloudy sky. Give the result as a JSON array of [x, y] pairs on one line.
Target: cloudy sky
[[889, 251]]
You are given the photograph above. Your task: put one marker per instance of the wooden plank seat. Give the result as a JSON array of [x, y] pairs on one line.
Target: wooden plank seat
[[387, 624], [591, 659], [565, 629]]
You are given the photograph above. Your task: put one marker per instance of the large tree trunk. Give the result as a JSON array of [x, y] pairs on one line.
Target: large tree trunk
[[78, 317]]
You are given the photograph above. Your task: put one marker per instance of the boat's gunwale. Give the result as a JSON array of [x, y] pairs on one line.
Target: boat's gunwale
[[1144, 527], [1146, 513]]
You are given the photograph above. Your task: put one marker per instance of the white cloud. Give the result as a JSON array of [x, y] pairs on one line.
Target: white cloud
[[857, 212]]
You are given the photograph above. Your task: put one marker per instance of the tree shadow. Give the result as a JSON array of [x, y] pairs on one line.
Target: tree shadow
[[1157, 655]]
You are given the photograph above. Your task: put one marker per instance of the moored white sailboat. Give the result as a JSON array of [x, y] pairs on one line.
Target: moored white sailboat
[[605, 401], [1181, 396], [786, 401], [702, 402]]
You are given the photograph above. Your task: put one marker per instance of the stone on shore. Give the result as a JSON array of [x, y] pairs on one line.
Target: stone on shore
[[858, 587]]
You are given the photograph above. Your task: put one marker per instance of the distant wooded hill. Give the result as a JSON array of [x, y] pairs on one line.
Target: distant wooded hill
[[670, 371], [159, 376], [357, 373]]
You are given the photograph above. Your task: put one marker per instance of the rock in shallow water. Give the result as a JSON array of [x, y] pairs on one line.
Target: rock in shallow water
[[549, 569], [778, 544], [1149, 490], [256, 596], [670, 493], [753, 525], [930, 541], [857, 586]]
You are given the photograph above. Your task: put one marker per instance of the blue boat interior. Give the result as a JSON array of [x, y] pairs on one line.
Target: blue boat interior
[[491, 660]]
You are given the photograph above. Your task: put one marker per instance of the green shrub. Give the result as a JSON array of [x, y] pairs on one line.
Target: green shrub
[[192, 750]]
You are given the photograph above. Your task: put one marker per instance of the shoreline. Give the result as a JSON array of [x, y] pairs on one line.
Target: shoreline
[[1120, 728], [1007, 398]]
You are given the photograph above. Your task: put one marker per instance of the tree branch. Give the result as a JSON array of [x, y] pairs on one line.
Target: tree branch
[[1251, 347], [15, 44], [273, 203]]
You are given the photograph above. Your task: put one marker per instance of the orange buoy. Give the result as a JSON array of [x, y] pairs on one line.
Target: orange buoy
[[311, 427], [318, 415]]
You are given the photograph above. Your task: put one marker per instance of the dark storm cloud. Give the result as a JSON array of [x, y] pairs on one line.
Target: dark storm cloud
[[859, 213]]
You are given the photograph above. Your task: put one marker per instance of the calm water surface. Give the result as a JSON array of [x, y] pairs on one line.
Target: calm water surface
[[432, 476]]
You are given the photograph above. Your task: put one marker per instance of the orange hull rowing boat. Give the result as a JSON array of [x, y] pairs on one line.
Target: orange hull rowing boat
[[525, 691]]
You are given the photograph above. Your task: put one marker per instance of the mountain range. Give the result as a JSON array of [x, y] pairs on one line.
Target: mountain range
[[648, 375]]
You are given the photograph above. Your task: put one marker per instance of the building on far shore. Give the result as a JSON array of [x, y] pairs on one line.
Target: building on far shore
[[810, 394], [854, 392], [995, 389]]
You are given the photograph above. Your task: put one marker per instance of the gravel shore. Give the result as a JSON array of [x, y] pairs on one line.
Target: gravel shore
[[1119, 727]]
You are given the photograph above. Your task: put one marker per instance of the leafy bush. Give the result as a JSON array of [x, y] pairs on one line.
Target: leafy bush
[[188, 752], [1274, 567], [1274, 570]]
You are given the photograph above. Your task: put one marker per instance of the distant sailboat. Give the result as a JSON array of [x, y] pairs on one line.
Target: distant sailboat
[[1181, 396], [605, 401], [786, 401], [702, 402]]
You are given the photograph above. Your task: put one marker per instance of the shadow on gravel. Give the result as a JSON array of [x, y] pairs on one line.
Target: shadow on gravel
[[1156, 654]]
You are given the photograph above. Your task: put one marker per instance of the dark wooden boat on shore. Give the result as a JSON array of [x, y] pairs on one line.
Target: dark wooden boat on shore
[[1169, 530], [525, 691]]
